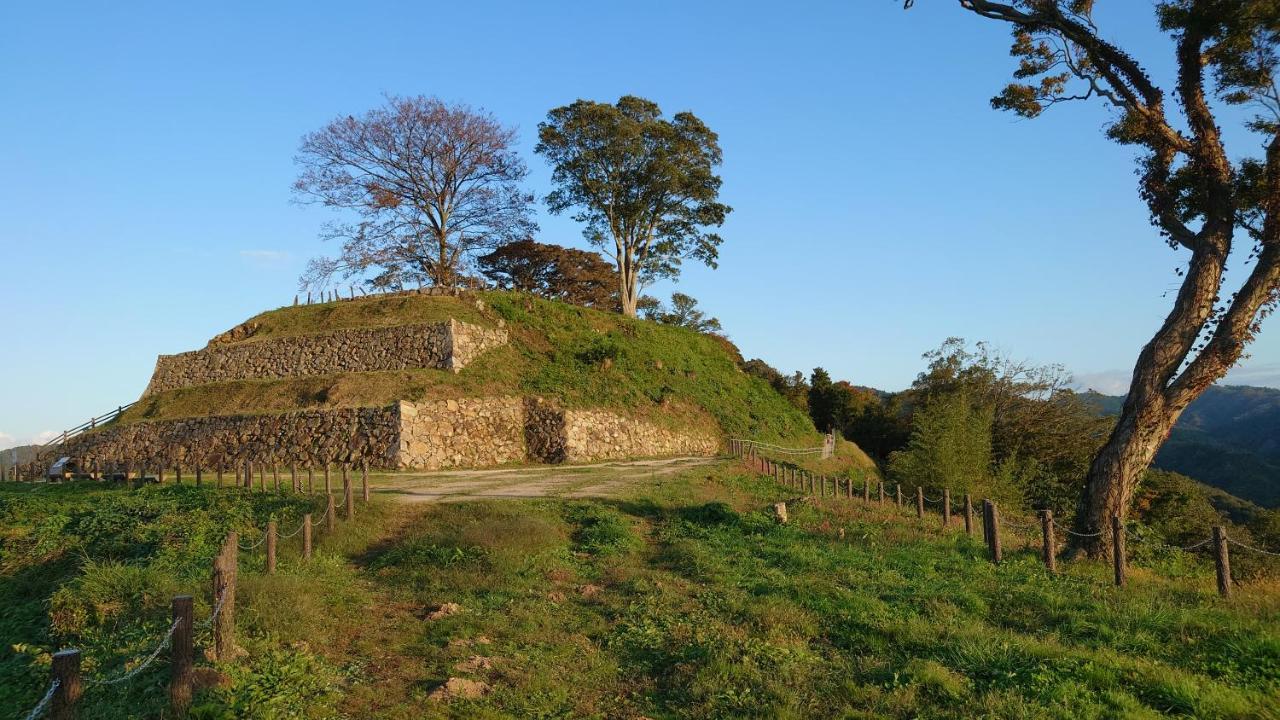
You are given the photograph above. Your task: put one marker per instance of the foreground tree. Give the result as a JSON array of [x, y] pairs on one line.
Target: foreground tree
[[1197, 195], [430, 185], [644, 186], [570, 275]]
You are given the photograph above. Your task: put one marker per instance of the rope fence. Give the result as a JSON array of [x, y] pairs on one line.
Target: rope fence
[[67, 683], [992, 522]]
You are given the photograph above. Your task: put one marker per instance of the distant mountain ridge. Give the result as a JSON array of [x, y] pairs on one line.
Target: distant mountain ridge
[[1228, 438]]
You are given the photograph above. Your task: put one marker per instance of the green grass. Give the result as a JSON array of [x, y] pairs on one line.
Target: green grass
[[684, 600], [585, 358], [363, 312]]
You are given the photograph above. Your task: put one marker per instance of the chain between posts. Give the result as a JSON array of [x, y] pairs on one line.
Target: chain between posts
[[145, 663], [44, 701]]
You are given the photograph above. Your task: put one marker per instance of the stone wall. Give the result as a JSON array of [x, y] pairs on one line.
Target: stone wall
[[430, 435], [600, 435], [313, 437], [447, 345], [468, 432]]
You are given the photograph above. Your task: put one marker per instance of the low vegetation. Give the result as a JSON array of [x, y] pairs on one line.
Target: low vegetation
[[683, 598]]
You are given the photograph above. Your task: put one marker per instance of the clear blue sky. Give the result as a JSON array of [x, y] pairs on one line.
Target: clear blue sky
[[880, 205]]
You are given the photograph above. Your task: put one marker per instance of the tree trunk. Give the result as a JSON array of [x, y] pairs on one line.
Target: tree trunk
[[1152, 406]]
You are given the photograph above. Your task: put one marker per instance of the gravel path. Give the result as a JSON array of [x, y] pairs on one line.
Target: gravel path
[[608, 479]]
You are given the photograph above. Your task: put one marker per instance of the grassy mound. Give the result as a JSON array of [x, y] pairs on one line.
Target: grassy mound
[[582, 357]]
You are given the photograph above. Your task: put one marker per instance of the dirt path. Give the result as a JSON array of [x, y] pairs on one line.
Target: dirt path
[[575, 481]]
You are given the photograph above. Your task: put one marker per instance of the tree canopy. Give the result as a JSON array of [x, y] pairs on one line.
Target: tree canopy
[[560, 273], [644, 186], [427, 185]]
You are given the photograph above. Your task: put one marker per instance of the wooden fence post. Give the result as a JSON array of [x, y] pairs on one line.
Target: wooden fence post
[[946, 507], [997, 550], [293, 478], [180, 656], [919, 502], [328, 485], [866, 489], [275, 476], [248, 475], [1222, 559], [330, 513], [880, 484], [1117, 550], [898, 493], [225, 570], [271, 547], [66, 671], [306, 536], [177, 475], [1049, 552], [310, 480], [348, 497], [968, 515], [199, 476]]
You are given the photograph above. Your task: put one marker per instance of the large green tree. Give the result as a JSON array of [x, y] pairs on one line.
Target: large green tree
[[1200, 196], [645, 186]]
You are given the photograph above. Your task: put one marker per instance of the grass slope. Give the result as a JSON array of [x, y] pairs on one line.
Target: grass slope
[[583, 357], [685, 600]]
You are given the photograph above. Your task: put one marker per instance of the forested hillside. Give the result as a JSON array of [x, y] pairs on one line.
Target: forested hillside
[[1228, 438]]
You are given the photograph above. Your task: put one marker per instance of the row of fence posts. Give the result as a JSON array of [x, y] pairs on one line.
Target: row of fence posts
[[799, 478], [244, 474], [66, 681]]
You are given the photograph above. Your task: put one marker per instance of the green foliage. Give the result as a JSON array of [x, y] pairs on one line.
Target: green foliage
[[640, 183], [95, 566], [950, 447], [683, 313], [273, 684]]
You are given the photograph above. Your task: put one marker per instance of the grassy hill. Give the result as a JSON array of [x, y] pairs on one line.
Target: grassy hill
[[1229, 438], [681, 600], [583, 357]]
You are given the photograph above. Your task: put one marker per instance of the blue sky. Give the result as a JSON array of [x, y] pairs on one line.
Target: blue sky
[[880, 204]]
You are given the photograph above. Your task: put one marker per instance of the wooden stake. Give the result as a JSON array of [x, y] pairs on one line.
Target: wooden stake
[[1047, 550], [968, 515], [271, 547], [881, 492], [225, 569], [898, 492], [1117, 550], [328, 485], [993, 529], [946, 507], [293, 478], [329, 514], [348, 496], [919, 502], [199, 476], [306, 536], [1222, 558], [66, 671], [180, 656]]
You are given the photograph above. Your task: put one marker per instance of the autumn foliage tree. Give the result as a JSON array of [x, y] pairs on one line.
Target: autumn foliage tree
[[426, 186], [644, 186], [1201, 197], [560, 273]]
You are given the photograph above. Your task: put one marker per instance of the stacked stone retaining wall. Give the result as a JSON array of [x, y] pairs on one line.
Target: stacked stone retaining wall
[[450, 345]]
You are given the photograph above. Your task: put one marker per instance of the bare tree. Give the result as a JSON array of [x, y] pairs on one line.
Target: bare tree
[[429, 185], [1198, 196]]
